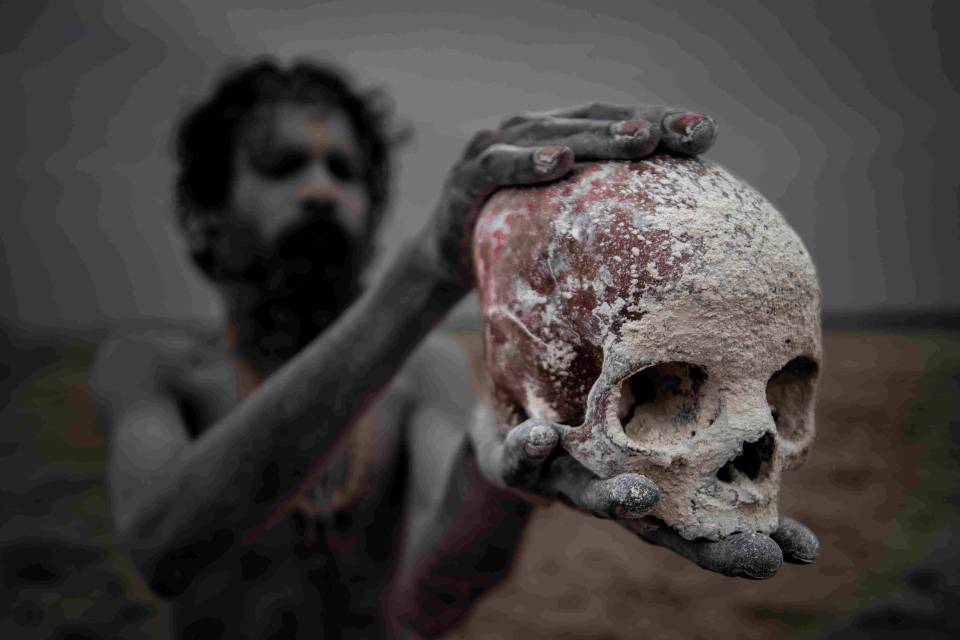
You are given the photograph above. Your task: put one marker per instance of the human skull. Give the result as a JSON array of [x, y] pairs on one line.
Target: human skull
[[665, 313]]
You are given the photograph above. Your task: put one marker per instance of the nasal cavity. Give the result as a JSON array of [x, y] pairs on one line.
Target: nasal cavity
[[753, 461]]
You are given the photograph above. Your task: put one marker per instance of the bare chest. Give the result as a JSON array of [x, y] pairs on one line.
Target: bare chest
[[327, 561]]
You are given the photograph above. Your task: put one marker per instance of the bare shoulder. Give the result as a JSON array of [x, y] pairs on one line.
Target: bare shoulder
[[149, 358]]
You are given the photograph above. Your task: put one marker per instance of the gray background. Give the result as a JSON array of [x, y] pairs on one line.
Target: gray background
[[843, 113]]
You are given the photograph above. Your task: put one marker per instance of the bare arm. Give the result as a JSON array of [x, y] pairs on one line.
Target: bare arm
[[179, 504], [461, 531], [466, 545]]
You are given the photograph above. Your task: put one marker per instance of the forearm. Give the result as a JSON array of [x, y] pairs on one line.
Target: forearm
[[239, 473], [467, 549]]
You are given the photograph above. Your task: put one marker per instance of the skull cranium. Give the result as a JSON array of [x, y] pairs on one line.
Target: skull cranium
[[666, 314]]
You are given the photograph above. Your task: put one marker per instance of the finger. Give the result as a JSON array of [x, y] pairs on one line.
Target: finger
[[596, 111], [593, 111], [798, 543], [543, 130], [681, 131], [687, 133], [525, 449], [626, 496], [513, 459], [502, 165], [588, 139], [745, 555], [482, 140]]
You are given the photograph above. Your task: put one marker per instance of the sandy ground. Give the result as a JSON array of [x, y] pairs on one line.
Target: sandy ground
[[880, 488]]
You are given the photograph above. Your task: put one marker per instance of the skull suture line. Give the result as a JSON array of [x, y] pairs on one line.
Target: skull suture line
[[665, 313]]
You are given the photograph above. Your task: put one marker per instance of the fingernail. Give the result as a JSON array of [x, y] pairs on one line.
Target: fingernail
[[630, 128], [683, 123], [798, 543], [540, 441], [547, 157], [753, 555], [633, 499]]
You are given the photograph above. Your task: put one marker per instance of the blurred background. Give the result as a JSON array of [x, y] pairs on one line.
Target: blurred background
[[842, 113]]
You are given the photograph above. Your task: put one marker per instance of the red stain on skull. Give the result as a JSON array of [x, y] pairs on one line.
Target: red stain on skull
[[563, 265]]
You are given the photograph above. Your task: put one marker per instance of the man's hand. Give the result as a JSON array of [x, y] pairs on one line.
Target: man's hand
[[744, 555], [523, 460], [526, 459], [540, 147]]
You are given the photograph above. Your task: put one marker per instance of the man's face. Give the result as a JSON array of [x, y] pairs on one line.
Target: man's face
[[295, 164], [297, 230]]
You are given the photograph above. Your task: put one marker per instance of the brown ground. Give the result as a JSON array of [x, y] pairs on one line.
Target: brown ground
[[878, 487]]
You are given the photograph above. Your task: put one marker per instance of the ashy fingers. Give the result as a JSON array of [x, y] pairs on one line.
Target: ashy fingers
[[626, 496]]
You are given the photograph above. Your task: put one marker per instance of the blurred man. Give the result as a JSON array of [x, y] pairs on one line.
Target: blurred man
[[309, 469]]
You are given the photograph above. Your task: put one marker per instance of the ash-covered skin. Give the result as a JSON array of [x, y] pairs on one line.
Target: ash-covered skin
[[665, 313]]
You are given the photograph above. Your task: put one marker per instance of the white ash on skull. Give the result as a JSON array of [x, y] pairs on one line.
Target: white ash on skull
[[669, 317]]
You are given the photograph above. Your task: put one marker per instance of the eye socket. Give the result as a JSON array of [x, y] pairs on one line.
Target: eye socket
[[662, 403], [790, 396], [279, 165], [341, 166]]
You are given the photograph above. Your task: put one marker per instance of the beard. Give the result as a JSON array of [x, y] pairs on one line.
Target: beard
[[294, 288]]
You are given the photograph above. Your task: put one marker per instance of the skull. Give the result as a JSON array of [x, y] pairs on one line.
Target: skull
[[665, 313]]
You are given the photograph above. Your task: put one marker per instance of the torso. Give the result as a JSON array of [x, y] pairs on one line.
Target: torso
[[322, 569]]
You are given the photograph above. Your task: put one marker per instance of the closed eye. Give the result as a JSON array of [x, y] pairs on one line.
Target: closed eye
[[342, 167], [278, 165]]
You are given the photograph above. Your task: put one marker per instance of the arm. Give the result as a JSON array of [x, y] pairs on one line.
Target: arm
[[465, 545], [463, 530], [180, 504], [463, 541]]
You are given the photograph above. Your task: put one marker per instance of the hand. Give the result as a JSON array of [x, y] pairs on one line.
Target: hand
[[525, 460], [540, 147], [744, 555]]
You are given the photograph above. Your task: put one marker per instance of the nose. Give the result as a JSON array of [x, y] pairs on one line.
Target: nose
[[318, 206], [328, 209], [753, 461], [317, 180]]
